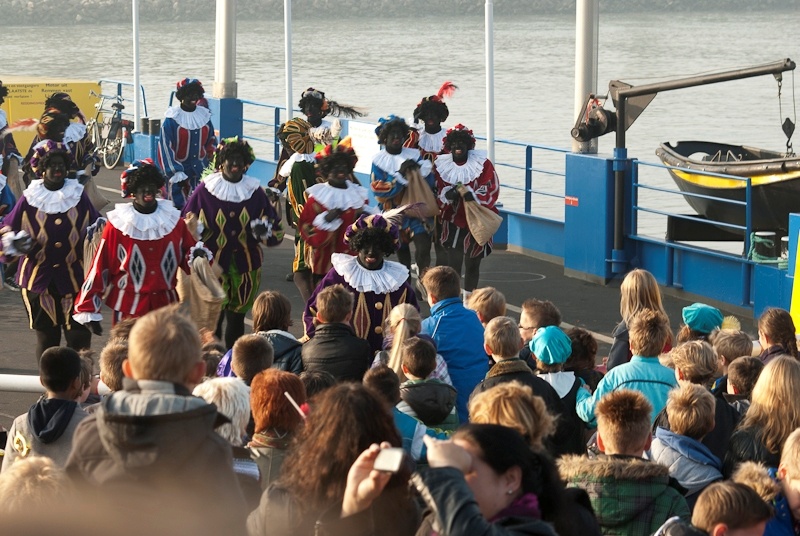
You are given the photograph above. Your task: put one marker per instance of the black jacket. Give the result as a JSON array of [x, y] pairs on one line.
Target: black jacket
[[620, 351], [288, 351], [336, 349], [431, 400], [746, 445]]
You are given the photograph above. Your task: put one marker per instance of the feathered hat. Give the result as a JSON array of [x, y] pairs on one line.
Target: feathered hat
[[458, 131], [42, 152], [328, 157], [328, 107], [52, 122], [183, 87], [63, 103], [434, 104], [385, 124], [373, 221], [140, 171], [294, 134]]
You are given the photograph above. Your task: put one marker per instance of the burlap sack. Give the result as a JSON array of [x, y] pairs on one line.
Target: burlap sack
[[418, 192], [483, 222], [90, 245], [90, 187], [15, 180], [203, 293]]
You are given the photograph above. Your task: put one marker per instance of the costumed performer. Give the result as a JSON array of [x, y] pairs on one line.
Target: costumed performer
[[10, 155], [377, 284], [392, 169], [46, 229], [462, 168], [331, 207], [187, 141], [142, 246], [237, 217], [299, 173]]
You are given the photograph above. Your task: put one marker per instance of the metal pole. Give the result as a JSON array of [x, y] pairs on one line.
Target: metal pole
[[225, 51], [19, 383], [287, 36], [137, 112], [586, 25], [489, 23]]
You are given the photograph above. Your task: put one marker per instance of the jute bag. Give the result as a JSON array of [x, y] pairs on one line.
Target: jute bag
[[203, 293], [482, 221], [90, 245], [418, 192], [15, 181], [98, 200]]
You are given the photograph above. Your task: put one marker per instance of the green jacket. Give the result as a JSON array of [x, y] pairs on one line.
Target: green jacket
[[630, 496]]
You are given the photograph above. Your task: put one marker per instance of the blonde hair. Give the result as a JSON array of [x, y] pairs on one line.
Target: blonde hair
[[232, 398], [735, 504], [639, 290], [502, 337], [691, 410], [488, 302], [731, 343], [403, 323], [774, 407], [697, 361], [623, 420], [648, 331], [790, 455], [164, 345], [514, 405], [334, 303], [31, 484]]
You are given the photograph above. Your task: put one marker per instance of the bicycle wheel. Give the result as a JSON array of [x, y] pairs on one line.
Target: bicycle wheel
[[113, 149]]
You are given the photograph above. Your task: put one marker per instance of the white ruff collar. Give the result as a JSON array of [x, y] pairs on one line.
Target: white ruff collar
[[75, 132], [189, 120], [138, 226], [3, 119], [354, 196], [390, 163], [53, 202], [286, 168], [388, 278], [233, 192], [452, 173], [431, 143]]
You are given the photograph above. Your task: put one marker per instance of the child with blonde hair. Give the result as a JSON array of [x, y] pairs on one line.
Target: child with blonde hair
[[488, 303]]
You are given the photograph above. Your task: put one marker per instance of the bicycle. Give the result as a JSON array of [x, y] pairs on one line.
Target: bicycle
[[109, 132]]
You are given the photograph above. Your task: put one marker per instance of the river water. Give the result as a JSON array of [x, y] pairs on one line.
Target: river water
[[386, 66]]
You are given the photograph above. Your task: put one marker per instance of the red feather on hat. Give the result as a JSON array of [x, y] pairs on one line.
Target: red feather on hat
[[23, 124], [447, 89]]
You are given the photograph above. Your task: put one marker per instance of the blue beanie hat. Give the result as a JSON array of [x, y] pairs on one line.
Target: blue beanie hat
[[551, 345], [702, 318]]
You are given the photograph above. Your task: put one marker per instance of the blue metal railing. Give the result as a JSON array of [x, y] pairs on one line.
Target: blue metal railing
[[269, 126], [122, 88]]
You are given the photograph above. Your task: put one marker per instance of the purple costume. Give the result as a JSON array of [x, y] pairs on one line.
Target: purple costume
[[376, 293]]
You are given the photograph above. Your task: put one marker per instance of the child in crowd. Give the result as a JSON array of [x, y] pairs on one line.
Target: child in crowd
[[776, 334], [187, 464], [457, 332], [335, 346], [32, 485], [743, 374], [551, 348], [699, 322], [535, 314], [488, 303], [696, 362], [48, 428], [428, 400], [316, 381], [88, 394], [648, 331], [112, 356], [630, 495], [729, 344], [583, 360], [514, 405], [690, 409], [250, 355]]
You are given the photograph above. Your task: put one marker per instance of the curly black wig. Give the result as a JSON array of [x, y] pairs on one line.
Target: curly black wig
[[233, 146], [145, 174], [52, 125], [463, 135], [334, 157], [63, 103], [182, 92], [327, 106], [3, 91], [431, 107], [373, 235], [45, 160], [399, 124]]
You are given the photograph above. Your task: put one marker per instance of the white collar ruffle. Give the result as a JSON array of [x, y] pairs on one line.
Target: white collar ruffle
[[390, 163], [354, 196], [75, 132], [233, 192], [388, 278], [3, 119], [53, 202], [452, 173], [130, 222], [431, 143], [286, 167], [189, 120]]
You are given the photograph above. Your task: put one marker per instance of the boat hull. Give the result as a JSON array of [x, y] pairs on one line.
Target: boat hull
[[775, 182]]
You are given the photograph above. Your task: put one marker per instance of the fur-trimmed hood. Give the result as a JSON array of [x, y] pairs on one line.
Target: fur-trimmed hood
[[610, 467]]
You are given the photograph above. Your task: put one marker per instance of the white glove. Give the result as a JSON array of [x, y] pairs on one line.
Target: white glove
[[336, 128]]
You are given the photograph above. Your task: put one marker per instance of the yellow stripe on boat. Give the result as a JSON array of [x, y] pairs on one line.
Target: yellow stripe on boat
[[707, 181]]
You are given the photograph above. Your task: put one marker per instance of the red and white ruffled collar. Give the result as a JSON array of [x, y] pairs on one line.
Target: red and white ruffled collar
[[233, 192], [388, 278], [53, 201], [189, 120], [130, 222], [452, 173]]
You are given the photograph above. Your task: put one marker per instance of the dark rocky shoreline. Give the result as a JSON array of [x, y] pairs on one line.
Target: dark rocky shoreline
[[59, 12]]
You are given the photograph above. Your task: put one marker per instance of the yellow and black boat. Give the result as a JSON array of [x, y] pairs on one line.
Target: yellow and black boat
[[775, 181]]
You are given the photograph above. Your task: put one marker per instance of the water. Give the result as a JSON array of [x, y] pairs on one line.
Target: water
[[386, 66]]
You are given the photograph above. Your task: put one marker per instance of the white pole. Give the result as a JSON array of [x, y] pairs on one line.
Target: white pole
[[587, 23], [287, 36], [225, 52], [19, 383], [489, 23], [137, 112]]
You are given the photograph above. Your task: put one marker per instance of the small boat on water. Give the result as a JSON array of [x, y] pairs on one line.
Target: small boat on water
[[775, 181]]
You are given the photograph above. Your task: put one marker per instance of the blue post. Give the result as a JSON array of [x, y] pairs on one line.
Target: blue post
[[528, 177], [277, 122], [226, 114]]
